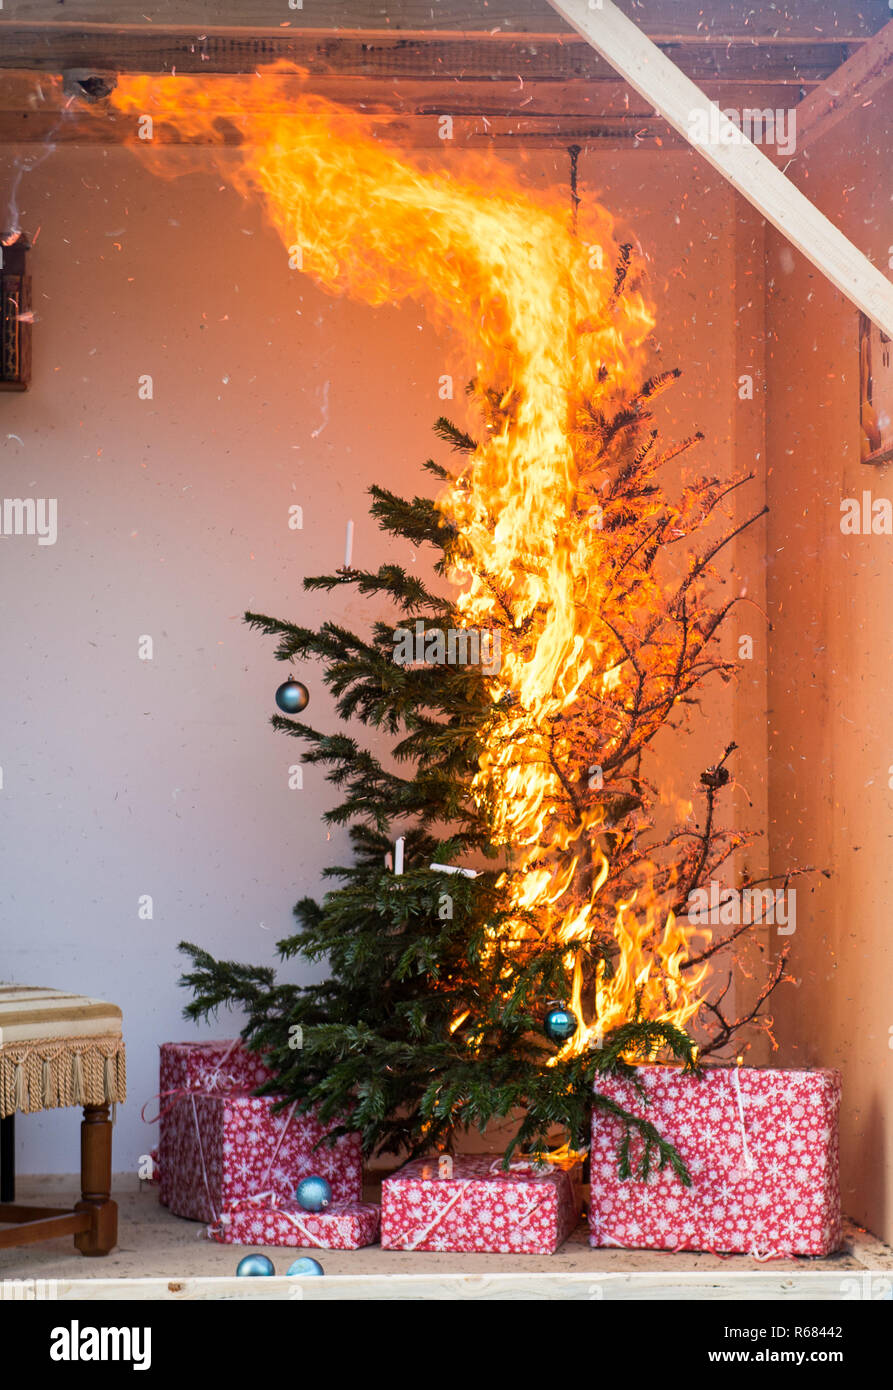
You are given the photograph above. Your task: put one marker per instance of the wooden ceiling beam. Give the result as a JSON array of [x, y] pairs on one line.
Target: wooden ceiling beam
[[30, 92], [35, 109], [839, 20], [429, 60], [616, 133], [35, 106]]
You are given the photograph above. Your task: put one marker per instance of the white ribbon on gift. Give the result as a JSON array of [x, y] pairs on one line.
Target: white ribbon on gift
[[225, 1217], [601, 1236], [749, 1160], [343, 1229], [201, 1155], [438, 1217], [269, 1168], [750, 1163], [218, 1076], [206, 1083], [522, 1165], [535, 1169], [275, 1204]]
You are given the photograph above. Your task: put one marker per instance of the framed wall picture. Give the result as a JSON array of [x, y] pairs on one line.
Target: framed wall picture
[[15, 313], [875, 392]]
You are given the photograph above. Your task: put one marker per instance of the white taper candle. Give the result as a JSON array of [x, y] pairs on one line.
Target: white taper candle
[[453, 869], [398, 855], [348, 545]]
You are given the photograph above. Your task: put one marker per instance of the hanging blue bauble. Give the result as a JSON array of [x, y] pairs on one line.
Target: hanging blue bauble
[[253, 1265], [305, 1265], [292, 696], [560, 1023], [313, 1194]]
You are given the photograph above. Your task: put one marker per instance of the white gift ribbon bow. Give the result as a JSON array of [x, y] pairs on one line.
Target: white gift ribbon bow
[[214, 1078], [204, 1083]]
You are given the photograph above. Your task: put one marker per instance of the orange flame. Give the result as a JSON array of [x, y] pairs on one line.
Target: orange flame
[[537, 312]]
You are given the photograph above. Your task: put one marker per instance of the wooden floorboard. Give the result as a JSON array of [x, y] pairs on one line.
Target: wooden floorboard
[[160, 1256]]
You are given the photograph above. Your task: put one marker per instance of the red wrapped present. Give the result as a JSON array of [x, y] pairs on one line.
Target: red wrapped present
[[342, 1226], [761, 1147], [530, 1210], [219, 1145]]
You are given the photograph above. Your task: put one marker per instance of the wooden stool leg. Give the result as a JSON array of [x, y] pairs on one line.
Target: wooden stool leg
[[7, 1158], [96, 1182]]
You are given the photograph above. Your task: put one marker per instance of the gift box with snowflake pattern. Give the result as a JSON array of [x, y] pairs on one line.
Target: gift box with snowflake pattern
[[480, 1208], [761, 1148], [342, 1226], [219, 1146]]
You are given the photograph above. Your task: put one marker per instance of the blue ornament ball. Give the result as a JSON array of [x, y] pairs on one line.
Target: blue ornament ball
[[313, 1194], [292, 696], [253, 1265], [305, 1265], [560, 1023]]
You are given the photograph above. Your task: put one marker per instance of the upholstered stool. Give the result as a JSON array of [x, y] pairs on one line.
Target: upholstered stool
[[61, 1049]]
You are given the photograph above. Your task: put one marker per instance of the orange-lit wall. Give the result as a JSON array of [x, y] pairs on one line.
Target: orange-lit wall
[[831, 666]]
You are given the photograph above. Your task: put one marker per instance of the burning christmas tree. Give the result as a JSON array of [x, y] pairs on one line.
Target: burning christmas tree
[[432, 1018], [572, 542]]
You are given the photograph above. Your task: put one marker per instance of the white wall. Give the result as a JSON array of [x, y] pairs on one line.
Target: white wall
[[123, 777]]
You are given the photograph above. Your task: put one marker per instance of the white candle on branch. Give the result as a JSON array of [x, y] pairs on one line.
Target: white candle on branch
[[398, 855], [453, 869], [348, 545]]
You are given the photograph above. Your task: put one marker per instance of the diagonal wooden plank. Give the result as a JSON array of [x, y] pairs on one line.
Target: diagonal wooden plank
[[685, 107], [853, 84]]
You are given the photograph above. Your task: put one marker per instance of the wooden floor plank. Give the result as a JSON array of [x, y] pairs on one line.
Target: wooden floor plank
[[161, 1256]]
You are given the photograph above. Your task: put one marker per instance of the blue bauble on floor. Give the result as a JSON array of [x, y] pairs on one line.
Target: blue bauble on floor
[[305, 1265], [252, 1265]]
